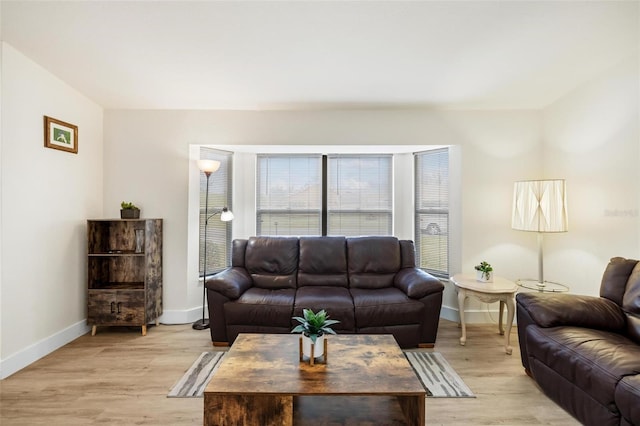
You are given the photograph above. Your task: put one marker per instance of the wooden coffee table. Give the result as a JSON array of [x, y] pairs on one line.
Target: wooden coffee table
[[366, 379]]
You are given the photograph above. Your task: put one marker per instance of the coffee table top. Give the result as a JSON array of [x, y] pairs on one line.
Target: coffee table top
[[356, 365]]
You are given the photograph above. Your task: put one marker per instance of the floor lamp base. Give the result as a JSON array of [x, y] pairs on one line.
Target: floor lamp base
[[201, 324]]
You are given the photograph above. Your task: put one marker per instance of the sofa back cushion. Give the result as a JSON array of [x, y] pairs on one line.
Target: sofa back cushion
[[373, 261], [615, 279], [238, 250], [272, 262], [408, 253], [631, 304], [323, 261]]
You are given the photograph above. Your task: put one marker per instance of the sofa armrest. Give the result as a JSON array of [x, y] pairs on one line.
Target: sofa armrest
[[231, 282], [552, 310], [416, 283]]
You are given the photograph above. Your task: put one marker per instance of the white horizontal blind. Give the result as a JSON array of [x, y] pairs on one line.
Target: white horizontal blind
[[359, 195], [289, 195], [218, 232], [432, 211]]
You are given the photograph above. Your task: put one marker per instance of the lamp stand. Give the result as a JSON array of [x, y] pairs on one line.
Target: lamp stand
[[541, 282], [203, 323]]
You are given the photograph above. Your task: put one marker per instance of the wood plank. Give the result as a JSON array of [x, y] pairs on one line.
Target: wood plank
[[248, 410], [120, 377]]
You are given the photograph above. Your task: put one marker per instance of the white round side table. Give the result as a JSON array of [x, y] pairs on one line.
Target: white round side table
[[500, 289]]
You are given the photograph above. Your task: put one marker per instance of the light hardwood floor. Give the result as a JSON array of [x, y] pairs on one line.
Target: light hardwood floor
[[119, 377]]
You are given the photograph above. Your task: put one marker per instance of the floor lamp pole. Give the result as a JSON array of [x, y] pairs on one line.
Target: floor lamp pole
[[203, 323], [540, 266]]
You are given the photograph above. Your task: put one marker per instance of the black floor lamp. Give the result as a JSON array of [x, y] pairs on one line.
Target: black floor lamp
[[208, 167]]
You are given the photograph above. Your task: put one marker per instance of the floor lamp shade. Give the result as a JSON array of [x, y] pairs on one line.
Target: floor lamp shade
[[540, 206]]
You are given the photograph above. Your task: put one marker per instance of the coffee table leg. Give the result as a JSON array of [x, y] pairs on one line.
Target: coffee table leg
[[413, 408], [250, 410]]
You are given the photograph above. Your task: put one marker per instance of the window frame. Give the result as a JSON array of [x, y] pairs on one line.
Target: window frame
[[442, 227]]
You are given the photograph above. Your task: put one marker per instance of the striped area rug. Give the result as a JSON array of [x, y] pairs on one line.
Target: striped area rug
[[195, 380], [435, 373], [437, 376]]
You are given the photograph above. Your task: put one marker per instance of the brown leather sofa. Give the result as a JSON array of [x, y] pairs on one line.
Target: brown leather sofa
[[370, 284], [584, 352]]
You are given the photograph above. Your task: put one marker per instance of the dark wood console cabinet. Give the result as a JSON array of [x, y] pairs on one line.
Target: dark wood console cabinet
[[124, 272]]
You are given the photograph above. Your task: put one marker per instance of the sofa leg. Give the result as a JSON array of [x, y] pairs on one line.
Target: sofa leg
[[528, 372], [220, 344], [426, 345]]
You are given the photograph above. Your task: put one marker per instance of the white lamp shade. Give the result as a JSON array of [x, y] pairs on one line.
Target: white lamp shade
[[226, 215], [540, 206], [208, 166]]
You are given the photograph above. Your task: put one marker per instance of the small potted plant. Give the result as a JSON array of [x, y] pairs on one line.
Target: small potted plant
[[129, 211], [314, 327], [484, 272]]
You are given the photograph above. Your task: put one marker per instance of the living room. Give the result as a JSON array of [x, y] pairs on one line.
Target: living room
[[522, 90]]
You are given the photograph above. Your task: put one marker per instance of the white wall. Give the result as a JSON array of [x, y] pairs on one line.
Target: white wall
[[47, 196], [591, 138], [147, 162]]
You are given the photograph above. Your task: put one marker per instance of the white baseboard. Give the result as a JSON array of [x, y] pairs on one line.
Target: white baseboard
[[34, 352], [474, 316], [184, 316]]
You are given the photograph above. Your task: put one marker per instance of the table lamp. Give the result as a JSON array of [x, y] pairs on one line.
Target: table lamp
[[540, 206]]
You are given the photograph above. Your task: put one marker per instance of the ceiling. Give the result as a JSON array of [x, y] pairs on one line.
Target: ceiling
[[323, 54]]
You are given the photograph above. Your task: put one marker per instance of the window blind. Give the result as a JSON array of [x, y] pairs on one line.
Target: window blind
[[289, 195], [359, 195], [432, 211], [218, 232]]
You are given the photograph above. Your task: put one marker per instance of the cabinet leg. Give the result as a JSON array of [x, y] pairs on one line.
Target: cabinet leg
[[144, 330], [93, 330]]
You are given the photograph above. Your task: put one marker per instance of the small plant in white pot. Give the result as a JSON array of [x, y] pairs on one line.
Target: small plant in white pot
[[484, 272], [314, 328]]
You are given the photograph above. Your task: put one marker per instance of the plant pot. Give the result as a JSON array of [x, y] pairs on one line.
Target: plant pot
[[318, 348], [130, 214], [485, 277]]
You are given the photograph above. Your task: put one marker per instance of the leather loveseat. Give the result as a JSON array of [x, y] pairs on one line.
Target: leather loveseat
[[584, 352], [370, 284]]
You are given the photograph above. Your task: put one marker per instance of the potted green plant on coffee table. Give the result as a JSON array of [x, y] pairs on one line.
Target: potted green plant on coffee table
[[314, 327]]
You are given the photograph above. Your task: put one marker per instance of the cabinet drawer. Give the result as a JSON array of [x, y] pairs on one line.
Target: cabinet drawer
[[122, 307]]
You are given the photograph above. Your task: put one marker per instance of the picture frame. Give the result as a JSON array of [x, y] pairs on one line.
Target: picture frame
[[60, 135]]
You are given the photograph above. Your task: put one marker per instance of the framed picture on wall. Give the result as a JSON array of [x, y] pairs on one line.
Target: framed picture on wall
[[60, 135]]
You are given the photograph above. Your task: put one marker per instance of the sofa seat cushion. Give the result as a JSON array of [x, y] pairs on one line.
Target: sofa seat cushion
[[593, 360], [335, 300], [628, 398], [260, 306], [385, 307]]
